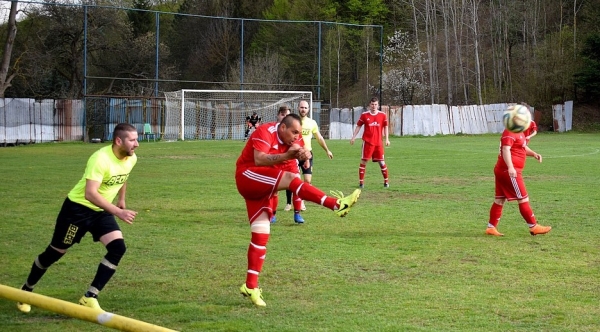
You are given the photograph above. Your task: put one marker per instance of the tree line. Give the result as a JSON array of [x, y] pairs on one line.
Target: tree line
[[454, 52]]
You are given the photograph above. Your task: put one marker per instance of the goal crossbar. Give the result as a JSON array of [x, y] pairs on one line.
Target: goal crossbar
[[221, 114]]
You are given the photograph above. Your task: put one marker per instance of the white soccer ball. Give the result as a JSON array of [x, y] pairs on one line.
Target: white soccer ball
[[517, 118]]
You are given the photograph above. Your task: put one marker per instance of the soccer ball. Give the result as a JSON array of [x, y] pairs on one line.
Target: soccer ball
[[517, 118]]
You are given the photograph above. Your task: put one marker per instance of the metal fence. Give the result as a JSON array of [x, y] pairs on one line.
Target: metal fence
[[189, 51], [24, 121]]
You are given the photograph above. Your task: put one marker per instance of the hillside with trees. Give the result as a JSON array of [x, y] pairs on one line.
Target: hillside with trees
[[454, 52]]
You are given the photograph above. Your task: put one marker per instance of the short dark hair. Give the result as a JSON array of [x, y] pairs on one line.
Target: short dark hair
[[374, 99], [283, 109], [290, 118], [121, 129]]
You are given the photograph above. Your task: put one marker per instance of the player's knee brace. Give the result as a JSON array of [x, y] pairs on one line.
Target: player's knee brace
[[116, 249], [48, 257]]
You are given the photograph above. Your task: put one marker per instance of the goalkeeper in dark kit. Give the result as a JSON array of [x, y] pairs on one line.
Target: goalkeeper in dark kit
[[252, 121]]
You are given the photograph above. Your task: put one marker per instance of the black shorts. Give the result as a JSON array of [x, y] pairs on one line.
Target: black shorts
[[74, 220], [306, 170]]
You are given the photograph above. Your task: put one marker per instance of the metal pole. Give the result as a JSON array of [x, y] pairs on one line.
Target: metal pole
[[100, 317], [85, 33], [242, 57], [319, 67], [381, 65], [157, 54]]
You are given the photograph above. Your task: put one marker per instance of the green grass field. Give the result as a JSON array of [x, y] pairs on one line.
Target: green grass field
[[412, 257]]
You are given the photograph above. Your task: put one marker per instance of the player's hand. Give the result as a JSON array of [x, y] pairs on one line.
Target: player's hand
[[352, 141], [329, 154], [304, 154], [512, 172], [294, 151], [538, 157], [126, 215], [387, 142]]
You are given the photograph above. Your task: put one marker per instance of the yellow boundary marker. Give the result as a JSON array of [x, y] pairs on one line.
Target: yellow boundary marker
[[80, 312]]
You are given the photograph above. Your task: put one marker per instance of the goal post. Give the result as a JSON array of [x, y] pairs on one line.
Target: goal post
[[221, 114]]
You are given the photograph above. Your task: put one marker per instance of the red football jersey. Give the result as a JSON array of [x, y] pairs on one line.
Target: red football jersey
[[265, 139], [517, 145], [373, 125], [532, 127]]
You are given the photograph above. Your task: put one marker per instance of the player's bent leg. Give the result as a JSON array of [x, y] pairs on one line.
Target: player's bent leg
[[339, 203], [257, 250], [39, 267], [115, 249]]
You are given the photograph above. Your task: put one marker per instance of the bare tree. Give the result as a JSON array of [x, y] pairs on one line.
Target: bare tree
[[474, 5], [261, 72], [445, 8], [11, 34]]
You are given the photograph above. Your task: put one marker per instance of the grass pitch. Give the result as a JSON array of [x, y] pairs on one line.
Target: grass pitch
[[412, 257]]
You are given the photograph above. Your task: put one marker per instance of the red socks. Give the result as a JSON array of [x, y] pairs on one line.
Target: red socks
[[297, 203], [257, 251], [527, 213], [495, 214], [309, 193], [384, 172], [361, 173]]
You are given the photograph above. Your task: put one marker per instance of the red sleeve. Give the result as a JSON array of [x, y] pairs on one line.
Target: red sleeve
[[261, 139], [360, 121], [508, 139]]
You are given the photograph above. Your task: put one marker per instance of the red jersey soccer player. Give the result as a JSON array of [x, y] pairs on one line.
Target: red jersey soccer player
[[375, 122], [510, 185], [260, 172], [531, 131]]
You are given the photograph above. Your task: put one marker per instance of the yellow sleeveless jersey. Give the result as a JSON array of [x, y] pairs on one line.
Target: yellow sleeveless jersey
[[104, 167], [309, 128]]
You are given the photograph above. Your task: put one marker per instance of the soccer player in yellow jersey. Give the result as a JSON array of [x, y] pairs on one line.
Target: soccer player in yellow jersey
[[310, 128], [89, 208]]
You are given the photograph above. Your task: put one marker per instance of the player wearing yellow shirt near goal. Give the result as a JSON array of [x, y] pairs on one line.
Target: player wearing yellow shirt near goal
[[310, 128]]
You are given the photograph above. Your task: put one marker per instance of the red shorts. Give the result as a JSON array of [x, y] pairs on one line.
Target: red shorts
[[373, 152], [257, 185], [509, 188]]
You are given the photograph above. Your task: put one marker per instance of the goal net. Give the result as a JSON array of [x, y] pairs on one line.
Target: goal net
[[221, 114]]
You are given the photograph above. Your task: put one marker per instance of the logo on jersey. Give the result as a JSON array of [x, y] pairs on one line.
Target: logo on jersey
[[71, 232], [374, 124], [117, 179]]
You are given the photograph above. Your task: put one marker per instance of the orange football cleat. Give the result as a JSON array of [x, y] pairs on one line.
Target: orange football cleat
[[493, 231], [539, 229]]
